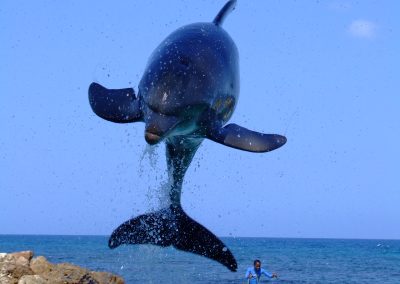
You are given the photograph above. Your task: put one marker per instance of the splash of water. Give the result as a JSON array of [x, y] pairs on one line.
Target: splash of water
[[155, 177]]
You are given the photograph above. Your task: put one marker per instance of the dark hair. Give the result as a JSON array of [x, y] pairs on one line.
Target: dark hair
[[257, 260]]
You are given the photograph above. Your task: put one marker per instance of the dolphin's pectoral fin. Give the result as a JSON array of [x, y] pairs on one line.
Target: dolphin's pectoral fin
[[171, 226], [238, 137], [116, 105]]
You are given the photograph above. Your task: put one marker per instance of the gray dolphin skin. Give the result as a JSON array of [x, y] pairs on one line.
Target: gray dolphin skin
[[188, 92]]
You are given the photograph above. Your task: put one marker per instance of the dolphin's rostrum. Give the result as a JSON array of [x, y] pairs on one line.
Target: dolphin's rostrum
[[188, 92]]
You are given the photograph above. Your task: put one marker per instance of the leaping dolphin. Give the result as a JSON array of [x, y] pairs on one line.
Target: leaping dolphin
[[188, 92]]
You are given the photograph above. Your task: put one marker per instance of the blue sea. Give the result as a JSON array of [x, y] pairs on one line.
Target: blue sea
[[295, 260]]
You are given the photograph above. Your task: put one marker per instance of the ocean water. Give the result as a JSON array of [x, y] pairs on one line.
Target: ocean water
[[295, 260]]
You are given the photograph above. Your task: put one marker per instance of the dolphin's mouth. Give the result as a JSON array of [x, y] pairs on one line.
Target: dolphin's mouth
[[158, 126], [152, 138]]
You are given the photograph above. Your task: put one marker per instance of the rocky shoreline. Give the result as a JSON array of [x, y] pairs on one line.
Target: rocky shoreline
[[22, 268]]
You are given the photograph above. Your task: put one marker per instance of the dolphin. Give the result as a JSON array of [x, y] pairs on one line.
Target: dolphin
[[188, 92]]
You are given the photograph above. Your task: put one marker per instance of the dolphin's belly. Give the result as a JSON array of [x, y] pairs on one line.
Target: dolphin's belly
[[195, 69]]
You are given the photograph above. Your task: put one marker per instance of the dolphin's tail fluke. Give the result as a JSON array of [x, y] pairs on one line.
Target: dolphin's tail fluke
[[171, 226], [228, 7]]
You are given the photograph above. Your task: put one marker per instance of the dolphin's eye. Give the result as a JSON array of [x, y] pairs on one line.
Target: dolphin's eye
[[151, 107], [184, 61]]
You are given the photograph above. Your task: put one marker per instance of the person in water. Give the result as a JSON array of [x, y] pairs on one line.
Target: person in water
[[253, 274]]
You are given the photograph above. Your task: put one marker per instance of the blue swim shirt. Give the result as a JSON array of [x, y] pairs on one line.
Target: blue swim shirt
[[256, 274]]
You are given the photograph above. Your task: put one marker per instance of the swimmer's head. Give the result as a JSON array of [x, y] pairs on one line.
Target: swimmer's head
[[257, 264]]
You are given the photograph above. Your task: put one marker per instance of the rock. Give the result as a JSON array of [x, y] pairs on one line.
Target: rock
[[40, 265], [105, 277], [13, 267], [21, 268], [28, 254], [4, 279], [32, 279], [68, 273]]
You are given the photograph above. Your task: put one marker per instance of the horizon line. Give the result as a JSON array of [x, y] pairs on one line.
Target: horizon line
[[232, 237]]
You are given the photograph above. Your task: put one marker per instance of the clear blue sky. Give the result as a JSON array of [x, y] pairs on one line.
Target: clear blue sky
[[323, 73]]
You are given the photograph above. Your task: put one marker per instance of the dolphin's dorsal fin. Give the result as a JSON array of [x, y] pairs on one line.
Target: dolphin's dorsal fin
[[241, 138], [228, 7], [116, 105]]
